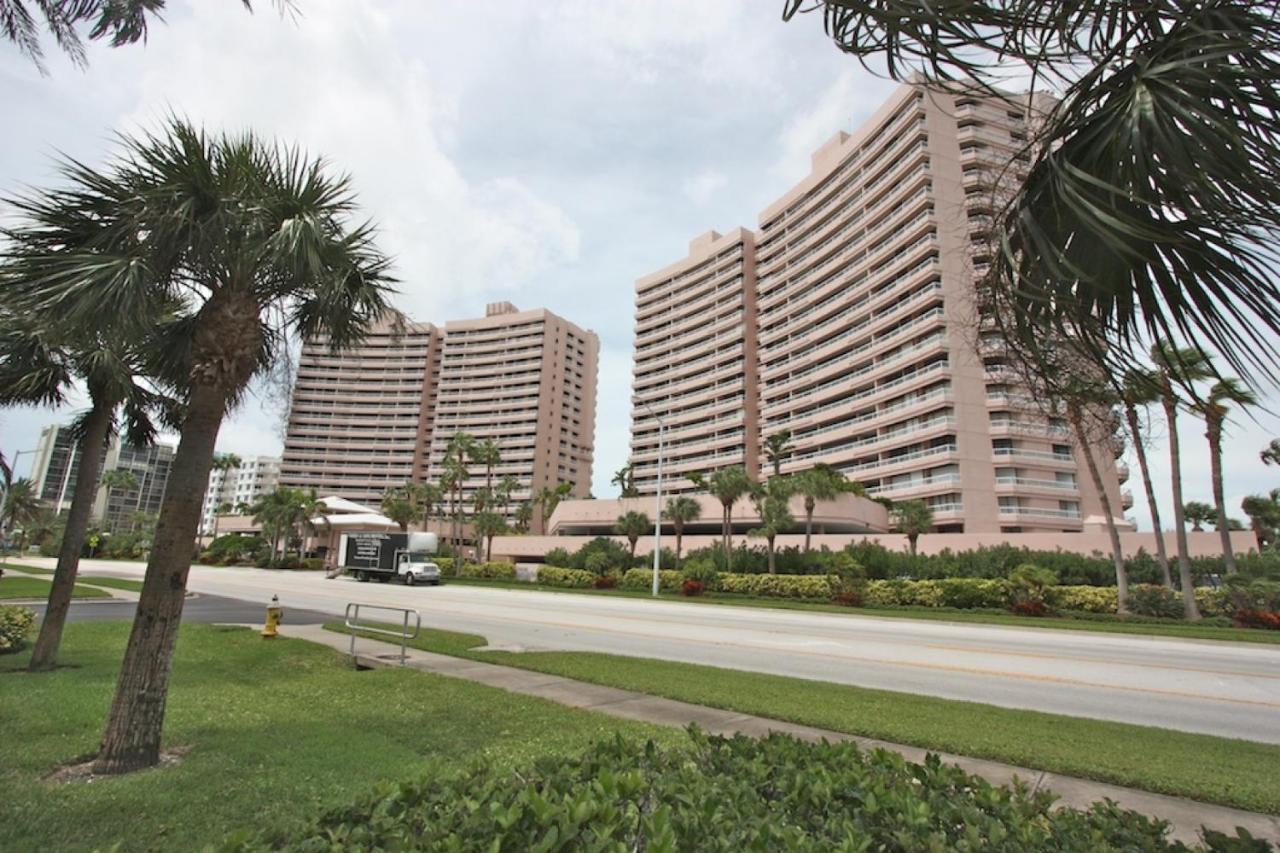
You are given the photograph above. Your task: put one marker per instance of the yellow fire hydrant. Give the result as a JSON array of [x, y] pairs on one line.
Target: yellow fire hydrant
[[275, 615]]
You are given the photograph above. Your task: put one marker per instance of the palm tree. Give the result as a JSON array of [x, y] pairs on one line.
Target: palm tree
[[680, 511], [120, 22], [456, 453], [488, 525], [1271, 455], [1178, 368], [912, 518], [254, 242], [1214, 409], [507, 487], [311, 519], [633, 525], [624, 479], [549, 498], [772, 505], [20, 504], [1171, 234], [488, 454], [430, 499], [821, 483], [778, 447], [1264, 517], [1138, 389], [119, 479], [1199, 514], [399, 508], [524, 515], [726, 485]]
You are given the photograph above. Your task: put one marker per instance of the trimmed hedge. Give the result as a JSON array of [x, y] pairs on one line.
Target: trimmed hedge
[[486, 571], [1089, 599], [668, 580], [15, 626], [777, 586], [574, 578], [720, 794]]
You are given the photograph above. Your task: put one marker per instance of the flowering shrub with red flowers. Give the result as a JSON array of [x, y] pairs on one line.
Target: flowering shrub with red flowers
[[691, 588], [1258, 619], [606, 581]]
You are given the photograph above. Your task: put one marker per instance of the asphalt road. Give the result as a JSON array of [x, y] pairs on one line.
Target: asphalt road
[[1228, 689]]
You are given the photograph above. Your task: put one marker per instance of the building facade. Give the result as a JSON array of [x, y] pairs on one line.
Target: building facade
[[860, 283], [238, 487], [527, 381], [57, 465], [381, 414], [360, 419]]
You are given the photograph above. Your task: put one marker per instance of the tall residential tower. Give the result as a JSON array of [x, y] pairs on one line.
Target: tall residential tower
[[856, 298]]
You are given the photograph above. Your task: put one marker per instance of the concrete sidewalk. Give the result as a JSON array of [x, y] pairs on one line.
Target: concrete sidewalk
[[1184, 816]]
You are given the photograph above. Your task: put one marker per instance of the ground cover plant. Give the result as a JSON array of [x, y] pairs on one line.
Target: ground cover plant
[[1213, 769], [277, 731], [722, 794]]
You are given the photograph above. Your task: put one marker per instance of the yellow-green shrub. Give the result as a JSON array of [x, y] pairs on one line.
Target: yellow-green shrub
[[1213, 602], [488, 571], [572, 578], [15, 625], [445, 564], [1090, 599], [777, 586]]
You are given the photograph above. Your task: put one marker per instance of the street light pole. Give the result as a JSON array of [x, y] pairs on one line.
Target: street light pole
[[657, 500]]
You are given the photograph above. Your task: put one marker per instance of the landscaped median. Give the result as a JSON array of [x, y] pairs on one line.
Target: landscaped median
[[977, 600], [1201, 767]]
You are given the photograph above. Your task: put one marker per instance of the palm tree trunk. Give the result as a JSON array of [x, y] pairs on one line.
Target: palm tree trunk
[[92, 447], [1117, 550], [1214, 434], [1131, 414], [132, 737], [680, 535], [773, 566], [809, 507], [728, 537], [911, 542], [1190, 609]]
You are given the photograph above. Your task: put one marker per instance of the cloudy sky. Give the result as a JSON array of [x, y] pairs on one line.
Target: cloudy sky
[[544, 153]]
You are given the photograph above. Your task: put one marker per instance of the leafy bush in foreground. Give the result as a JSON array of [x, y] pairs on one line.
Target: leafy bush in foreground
[[722, 794], [15, 625]]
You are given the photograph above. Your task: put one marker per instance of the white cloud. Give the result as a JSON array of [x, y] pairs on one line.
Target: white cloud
[[701, 187], [851, 97]]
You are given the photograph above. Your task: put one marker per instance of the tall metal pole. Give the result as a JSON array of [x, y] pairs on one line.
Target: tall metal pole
[[657, 514]]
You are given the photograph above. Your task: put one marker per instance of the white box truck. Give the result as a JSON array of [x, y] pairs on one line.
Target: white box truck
[[390, 556]]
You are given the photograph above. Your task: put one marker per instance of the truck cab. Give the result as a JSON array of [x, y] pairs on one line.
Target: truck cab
[[415, 567]]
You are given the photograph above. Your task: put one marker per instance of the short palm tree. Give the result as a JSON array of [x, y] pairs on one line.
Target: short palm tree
[[772, 503], [680, 511], [727, 485], [1264, 517], [624, 479], [457, 452], [399, 508], [1137, 390], [633, 525], [548, 498], [912, 518], [778, 447], [1176, 370], [255, 243], [488, 525], [488, 454], [524, 515], [21, 503], [1214, 409], [119, 479], [1199, 514], [821, 483]]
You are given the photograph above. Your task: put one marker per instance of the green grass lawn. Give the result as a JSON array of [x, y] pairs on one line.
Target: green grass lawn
[[1150, 627], [1213, 769], [277, 730], [14, 587], [88, 580]]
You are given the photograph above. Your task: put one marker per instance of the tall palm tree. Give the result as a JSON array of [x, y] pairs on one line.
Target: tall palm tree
[[119, 479], [1264, 516], [488, 525], [1168, 234], [772, 501], [633, 525], [680, 511], [456, 453], [624, 479], [1176, 369], [21, 503], [507, 487], [727, 485], [430, 498], [548, 498], [1214, 409], [488, 454], [778, 447], [39, 364], [1138, 389], [912, 518], [399, 508], [255, 242], [524, 515]]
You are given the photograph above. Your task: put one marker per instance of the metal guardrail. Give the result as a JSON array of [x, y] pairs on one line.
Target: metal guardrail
[[353, 624]]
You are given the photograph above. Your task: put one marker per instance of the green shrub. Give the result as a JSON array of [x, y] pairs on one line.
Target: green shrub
[[1253, 594], [445, 564], [700, 570], [668, 580], [884, 593], [1088, 599], [924, 593], [1029, 586], [489, 571], [720, 794], [1212, 602], [777, 586], [1151, 600], [15, 626], [598, 563], [558, 557], [573, 578], [313, 564], [968, 593], [616, 554]]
